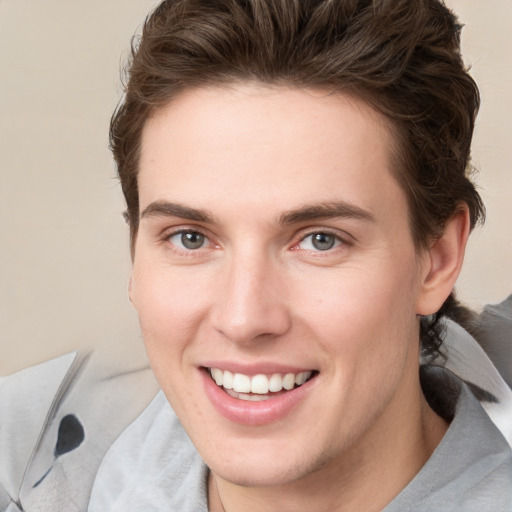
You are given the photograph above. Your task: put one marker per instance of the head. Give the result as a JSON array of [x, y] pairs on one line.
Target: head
[[290, 168], [402, 58]]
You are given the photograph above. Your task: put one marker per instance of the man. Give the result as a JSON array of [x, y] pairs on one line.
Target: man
[[298, 200], [296, 181]]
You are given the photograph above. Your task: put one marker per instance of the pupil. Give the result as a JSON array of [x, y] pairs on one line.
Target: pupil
[[192, 240], [323, 241]]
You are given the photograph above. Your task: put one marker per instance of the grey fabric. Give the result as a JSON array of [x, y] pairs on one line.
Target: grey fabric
[[154, 467], [26, 400], [464, 357], [57, 421], [493, 330], [470, 470]]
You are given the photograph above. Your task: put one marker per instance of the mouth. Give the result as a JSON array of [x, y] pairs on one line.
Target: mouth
[[259, 387]]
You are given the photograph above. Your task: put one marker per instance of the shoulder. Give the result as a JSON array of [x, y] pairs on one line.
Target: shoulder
[[153, 465], [463, 356], [493, 330], [57, 420], [26, 401], [471, 469]]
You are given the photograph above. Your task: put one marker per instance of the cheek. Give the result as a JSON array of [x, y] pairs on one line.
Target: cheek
[[163, 296], [365, 312], [169, 310], [369, 338], [170, 306]]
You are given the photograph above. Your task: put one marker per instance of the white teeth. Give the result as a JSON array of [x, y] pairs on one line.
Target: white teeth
[[227, 381], [258, 384], [245, 396], [289, 381], [241, 383], [301, 377], [217, 376], [275, 383]]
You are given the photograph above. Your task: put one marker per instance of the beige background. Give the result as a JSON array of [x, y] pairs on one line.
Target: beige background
[[64, 259]]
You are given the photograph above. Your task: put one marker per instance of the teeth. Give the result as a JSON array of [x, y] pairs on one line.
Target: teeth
[[289, 381], [275, 383], [302, 377], [241, 383], [227, 379], [247, 397], [258, 384], [217, 376]]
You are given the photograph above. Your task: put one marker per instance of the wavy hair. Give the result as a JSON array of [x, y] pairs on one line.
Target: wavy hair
[[401, 56]]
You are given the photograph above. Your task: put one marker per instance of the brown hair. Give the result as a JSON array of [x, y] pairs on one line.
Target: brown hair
[[402, 56]]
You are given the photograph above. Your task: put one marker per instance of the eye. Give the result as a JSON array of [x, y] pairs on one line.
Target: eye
[[319, 241], [188, 240]]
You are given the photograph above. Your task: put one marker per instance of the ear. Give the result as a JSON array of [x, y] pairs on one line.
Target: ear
[[442, 262]]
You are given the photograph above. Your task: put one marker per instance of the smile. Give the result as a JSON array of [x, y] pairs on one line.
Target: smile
[[258, 387], [256, 398]]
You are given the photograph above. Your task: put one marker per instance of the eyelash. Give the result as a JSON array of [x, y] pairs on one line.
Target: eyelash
[[339, 241], [186, 231]]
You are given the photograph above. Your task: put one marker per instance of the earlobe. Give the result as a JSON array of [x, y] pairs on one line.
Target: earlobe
[[442, 263]]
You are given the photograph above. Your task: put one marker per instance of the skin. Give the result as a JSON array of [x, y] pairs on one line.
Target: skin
[[258, 291]]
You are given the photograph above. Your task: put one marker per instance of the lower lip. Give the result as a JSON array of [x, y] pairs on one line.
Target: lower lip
[[250, 413]]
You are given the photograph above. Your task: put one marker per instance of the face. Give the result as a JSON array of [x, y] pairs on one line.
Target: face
[[274, 253]]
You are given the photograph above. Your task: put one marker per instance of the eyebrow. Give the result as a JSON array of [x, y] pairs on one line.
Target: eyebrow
[[166, 209], [329, 210]]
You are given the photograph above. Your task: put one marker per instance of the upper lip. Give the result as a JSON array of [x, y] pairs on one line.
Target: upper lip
[[251, 369]]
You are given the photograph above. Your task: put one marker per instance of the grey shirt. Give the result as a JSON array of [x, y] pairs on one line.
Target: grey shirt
[[58, 419], [470, 470], [154, 467]]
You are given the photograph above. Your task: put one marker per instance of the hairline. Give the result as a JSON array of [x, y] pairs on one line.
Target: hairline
[[396, 153]]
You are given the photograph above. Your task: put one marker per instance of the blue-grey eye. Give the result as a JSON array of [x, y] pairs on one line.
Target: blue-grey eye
[[189, 240], [320, 242], [323, 241]]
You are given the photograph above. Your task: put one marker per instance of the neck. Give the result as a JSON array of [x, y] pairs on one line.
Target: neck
[[368, 476]]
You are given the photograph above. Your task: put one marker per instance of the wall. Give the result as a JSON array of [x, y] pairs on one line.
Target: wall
[[64, 260]]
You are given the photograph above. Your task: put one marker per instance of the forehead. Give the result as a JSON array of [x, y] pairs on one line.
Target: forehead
[[259, 148]]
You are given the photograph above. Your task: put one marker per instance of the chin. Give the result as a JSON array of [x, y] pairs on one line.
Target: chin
[[268, 468], [267, 475]]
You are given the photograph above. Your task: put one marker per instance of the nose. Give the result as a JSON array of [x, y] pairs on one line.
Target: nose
[[251, 303]]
